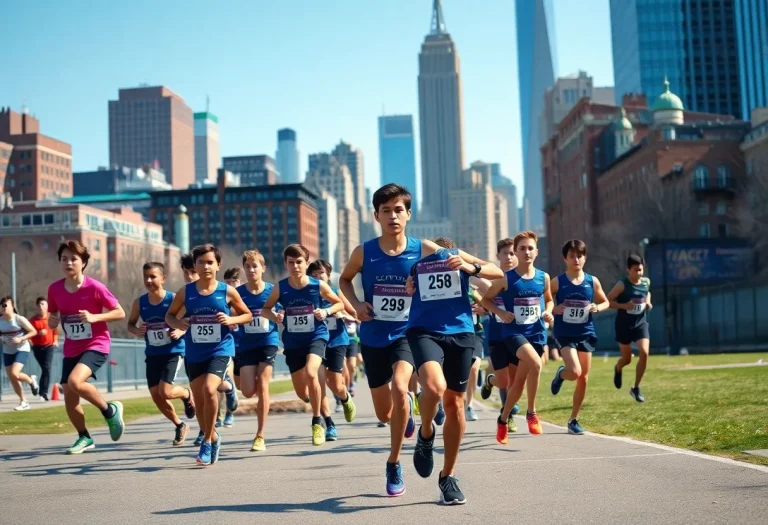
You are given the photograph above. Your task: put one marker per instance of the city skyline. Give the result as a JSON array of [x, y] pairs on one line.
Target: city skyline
[[251, 111]]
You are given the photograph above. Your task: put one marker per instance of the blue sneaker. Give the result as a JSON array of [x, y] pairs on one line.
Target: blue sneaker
[[231, 396], [440, 416], [515, 410], [215, 448], [575, 428], [204, 456], [557, 381], [331, 434], [229, 420], [218, 423], [410, 425], [200, 438], [395, 482]]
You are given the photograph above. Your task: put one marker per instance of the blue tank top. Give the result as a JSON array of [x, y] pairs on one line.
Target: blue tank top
[[495, 326], [637, 294], [337, 330], [576, 320], [157, 338], [206, 337], [384, 279], [299, 322], [441, 300], [260, 332], [525, 298]]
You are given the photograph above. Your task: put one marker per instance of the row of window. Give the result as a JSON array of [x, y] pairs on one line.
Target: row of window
[[213, 198], [62, 174], [56, 186], [50, 157]]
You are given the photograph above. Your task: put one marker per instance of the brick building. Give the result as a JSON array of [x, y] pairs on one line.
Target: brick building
[[33, 166], [267, 218]]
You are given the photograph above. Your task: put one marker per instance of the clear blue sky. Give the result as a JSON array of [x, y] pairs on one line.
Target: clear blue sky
[[324, 68]]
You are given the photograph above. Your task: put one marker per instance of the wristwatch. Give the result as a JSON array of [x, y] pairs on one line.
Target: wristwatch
[[478, 268]]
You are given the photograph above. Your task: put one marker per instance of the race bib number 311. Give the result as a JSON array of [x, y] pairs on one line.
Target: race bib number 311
[[300, 319], [437, 281], [391, 302], [205, 329], [76, 329], [258, 325]]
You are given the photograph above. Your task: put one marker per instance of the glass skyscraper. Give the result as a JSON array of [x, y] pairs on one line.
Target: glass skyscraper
[[397, 157], [752, 37]]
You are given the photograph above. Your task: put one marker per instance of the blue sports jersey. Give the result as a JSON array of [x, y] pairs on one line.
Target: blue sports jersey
[[495, 326], [260, 332], [576, 320], [337, 330], [525, 299], [157, 339], [206, 337], [299, 322]]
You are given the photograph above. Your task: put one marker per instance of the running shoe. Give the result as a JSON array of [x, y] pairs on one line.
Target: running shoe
[[33, 386], [352, 390], [116, 423], [557, 381], [219, 422], [381, 424], [331, 434], [450, 493], [199, 440], [575, 428], [181, 435], [511, 425], [471, 414], [410, 425], [204, 456], [189, 406], [258, 444], [215, 449], [487, 389], [307, 400], [534, 425], [338, 408], [440, 416], [350, 410], [423, 461], [636, 395], [617, 377], [44, 396], [318, 436], [229, 420], [502, 431], [515, 410], [231, 396], [416, 411], [395, 482], [23, 405], [81, 445]]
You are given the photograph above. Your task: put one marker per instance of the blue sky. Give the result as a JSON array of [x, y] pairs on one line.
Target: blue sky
[[325, 68]]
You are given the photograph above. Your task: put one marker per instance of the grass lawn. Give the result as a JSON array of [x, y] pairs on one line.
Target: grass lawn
[[55, 421], [721, 412]]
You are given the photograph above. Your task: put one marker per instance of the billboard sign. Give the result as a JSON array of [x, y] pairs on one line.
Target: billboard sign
[[700, 262]]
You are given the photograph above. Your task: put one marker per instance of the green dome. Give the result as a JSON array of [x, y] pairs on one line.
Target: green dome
[[667, 101], [622, 123]]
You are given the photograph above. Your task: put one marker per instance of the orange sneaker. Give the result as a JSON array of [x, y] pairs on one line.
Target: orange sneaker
[[534, 427], [501, 432]]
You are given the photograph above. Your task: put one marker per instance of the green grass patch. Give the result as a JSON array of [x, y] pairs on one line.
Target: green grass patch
[[721, 412], [55, 421]]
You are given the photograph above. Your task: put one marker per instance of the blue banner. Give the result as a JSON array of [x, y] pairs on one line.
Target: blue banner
[[700, 262]]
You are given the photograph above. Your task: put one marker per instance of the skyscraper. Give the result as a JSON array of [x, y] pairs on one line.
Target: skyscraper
[[287, 156], [397, 155], [440, 117], [752, 37], [536, 66], [207, 156], [708, 49], [153, 125], [503, 186], [353, 159]]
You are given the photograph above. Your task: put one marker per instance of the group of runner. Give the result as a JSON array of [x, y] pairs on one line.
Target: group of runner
[[419, 326]]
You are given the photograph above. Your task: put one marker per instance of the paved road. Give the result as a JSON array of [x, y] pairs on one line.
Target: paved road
[[553, 478]]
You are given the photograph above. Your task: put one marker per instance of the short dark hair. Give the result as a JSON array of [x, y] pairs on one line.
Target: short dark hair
[[634, 260], [77, 248], [503, 243], [199, 251], [444, 242], [295, 251], [9, 299], [187, 262], [233, 273], [41, 299], [316, 266], [391, 191], [154, 266], [576, 246]]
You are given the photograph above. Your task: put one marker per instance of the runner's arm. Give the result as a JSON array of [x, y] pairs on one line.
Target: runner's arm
[[487, 270], [30, 331], [614, 294], [487, 301], [648, 304], [549, 303], [353, 267], [349, 311], [554, 286], [337, 305], [266, 311], [177, 305], [116, 313], [601, 301], [244, 315], [133, 319]]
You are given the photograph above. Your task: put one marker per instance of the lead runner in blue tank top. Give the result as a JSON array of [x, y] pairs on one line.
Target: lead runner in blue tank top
[[578, 296], [164, 348], [305, 334], [528, 305], [209, 305]]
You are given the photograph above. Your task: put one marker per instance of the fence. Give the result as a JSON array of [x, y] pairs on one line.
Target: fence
[[124, 369]]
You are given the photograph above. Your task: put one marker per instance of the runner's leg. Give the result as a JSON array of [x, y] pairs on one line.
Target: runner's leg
[[585, 364], [643, 349], [262, 391]]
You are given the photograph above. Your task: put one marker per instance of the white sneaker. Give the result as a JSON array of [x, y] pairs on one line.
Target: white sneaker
[[24, 405], [34, 387], [471, 414]]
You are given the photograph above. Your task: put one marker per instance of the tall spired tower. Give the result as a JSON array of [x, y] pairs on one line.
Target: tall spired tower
[[440, 117]]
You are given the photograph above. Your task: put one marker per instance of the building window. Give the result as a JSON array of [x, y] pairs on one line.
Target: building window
[[26, 220], [722, 230], [96, 245], [723, 175], [704, 230], [722, 208], [6, 221], [37, 219], [701, 177], [703, 209]]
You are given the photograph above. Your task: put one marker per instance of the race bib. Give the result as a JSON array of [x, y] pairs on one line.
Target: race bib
[[390, 302], [638, 305], [205, 329], [158, 334], [76, 329], [437, 281], [576, 312], [527, 310], [499, 302], [301, 319], [258, 325]]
